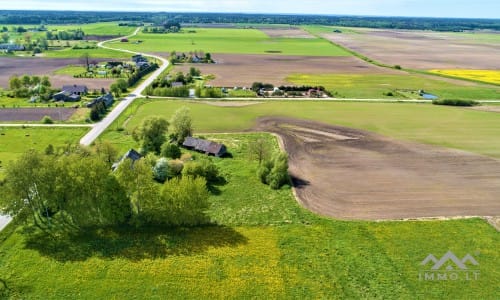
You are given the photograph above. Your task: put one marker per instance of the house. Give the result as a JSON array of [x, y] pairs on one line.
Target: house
[[139, 58], [205, 146], [177, 84], [107, 99], [131, 154], [66, 97], [79, 90], [12, 47], [142, 64]]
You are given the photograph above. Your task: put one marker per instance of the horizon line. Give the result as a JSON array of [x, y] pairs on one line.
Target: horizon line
[[244, 13]]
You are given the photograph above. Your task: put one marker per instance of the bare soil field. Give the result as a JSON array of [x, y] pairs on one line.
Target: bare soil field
[[352, 174], [421, 50], [296, 33], [242, 70], [489, 108], [45, 67], [35, 114]]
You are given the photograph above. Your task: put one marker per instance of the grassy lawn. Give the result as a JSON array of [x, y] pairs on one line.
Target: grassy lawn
[[70, 70], [94, 53], [14, 141], [262, 245], [452, 127], [243, 41], [103, 28], [375, 85]]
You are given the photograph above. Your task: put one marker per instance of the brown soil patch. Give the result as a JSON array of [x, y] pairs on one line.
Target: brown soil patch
[[45, 67], [353, 174], [296, 33], [487, 108], [35, 114], [421, 50], [242, 70]]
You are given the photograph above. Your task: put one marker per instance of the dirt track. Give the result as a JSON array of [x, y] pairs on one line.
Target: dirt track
[[352, 174]]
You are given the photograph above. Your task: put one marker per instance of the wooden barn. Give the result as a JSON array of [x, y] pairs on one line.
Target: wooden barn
[[205, 146]]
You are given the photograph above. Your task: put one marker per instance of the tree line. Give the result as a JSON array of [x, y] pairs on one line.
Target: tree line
[[74, 17]]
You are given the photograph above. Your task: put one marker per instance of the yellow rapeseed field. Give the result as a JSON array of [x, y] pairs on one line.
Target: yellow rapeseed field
[[490, 76]]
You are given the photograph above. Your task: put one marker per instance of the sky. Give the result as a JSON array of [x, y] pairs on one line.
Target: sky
[[419, 8]]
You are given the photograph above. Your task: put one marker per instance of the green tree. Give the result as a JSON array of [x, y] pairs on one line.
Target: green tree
[[181, 124], [15, 83], [106, 151], [160, 170], [259, 150], [46, 82], [202, 168], [151, 134], [137, 180], [170, 150], [122, 84], [5, 37], [183, 202], [26, 81], [279, 173]]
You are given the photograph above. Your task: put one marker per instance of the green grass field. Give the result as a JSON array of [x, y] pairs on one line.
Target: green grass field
[[94, 53], [14, 141], [103, 28], [242, 41], [263, 246], [376, 85], [452, 127]]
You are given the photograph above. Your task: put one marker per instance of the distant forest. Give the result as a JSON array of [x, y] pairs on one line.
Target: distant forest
[[72, 17]]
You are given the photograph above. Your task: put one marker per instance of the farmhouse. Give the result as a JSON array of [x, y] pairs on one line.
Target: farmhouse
[[79, 90], [177, 84], [66, 97], [131, 154], [205, 146], [107, 99], [12, 47]]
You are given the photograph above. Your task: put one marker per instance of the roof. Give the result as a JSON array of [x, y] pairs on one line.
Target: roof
[[177, 84], [132, 154], [206, 146], [75, 89]]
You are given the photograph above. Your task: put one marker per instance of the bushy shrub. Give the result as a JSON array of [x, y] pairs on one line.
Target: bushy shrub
[[160, 170], [455, 102], [275, 171], [47, 120], [201, 168], [170, 150]]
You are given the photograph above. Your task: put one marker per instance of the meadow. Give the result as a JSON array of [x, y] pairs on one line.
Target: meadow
[[14, 141], [458, 128], [262, 244], [240, 41], [375, 86], [103, 28], [489, 76]]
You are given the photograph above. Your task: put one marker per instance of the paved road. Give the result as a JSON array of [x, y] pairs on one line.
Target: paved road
[[4, 221], [100, 127]]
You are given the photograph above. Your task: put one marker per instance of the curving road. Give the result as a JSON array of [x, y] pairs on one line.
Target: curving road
[[100, 127]]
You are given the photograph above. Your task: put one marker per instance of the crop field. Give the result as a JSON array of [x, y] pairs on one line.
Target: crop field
[[422, 50], [489, 76], [244, 69], [373, 86], [242, 41], [46, 67]]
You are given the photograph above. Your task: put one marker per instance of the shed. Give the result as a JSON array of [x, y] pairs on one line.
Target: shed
[[205, 146], [131, 154]]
